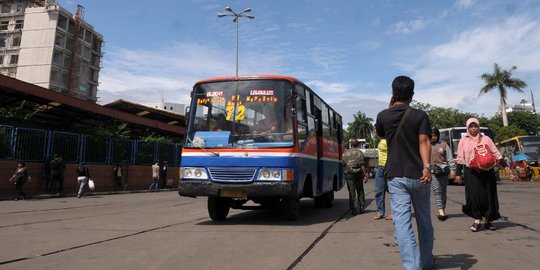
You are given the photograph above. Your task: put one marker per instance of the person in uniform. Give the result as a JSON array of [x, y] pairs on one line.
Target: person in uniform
[[356, 176]]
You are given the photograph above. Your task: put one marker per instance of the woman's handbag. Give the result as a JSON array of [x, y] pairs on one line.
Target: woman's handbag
[[91, 184], [483, 159]]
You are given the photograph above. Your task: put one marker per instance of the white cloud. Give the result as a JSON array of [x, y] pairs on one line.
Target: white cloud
[[449, 74], [406, 28], [464, 3]]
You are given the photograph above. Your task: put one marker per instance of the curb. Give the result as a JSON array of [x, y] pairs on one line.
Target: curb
[[69, 195]]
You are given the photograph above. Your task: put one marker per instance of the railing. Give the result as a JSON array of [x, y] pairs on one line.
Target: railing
[[36, 145]]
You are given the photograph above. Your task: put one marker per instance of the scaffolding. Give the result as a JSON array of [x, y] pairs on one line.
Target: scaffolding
[[73, 85]]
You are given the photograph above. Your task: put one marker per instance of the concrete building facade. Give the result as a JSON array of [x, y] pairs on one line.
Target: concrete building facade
[[44, 44]]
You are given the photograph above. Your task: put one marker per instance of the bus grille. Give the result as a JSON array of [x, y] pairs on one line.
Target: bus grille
[[232, 174]]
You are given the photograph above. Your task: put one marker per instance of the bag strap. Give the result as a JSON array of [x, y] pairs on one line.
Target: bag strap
[[401, 123]]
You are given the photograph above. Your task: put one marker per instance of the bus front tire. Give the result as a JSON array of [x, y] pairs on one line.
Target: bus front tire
[[291, 208], [218, 208]]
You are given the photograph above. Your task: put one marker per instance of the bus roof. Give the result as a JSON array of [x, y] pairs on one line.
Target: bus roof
[[254, 77], [249, 77]]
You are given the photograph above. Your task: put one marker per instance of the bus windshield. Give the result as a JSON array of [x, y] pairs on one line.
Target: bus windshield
[[243, 113], [531, 147]]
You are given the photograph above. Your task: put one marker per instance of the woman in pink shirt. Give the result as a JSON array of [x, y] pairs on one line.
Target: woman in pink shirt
[[480, 186]]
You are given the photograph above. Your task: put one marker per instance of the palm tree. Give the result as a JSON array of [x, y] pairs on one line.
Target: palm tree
[[361, 127], [501, 79]]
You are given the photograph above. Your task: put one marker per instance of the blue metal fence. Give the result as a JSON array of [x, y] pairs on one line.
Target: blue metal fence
[[36, 145]]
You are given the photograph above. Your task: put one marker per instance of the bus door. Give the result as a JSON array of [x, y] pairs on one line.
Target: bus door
[[320, 163]]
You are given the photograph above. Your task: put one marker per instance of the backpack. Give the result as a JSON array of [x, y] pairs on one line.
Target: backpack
[[483, 159]]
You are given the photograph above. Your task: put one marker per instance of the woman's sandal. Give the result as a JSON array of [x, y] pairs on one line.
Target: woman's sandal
[[442, 217], [476, 227]]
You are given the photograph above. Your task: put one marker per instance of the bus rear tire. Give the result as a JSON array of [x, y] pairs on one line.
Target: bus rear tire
[[291, 208], [218, 208]]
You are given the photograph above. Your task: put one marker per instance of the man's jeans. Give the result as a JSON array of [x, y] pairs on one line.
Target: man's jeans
[[380, 192], [406, 193]]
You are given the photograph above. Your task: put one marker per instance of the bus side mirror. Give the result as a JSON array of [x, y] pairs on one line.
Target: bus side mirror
[[186, 114]]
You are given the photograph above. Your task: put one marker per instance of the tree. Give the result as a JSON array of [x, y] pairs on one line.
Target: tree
[[503, 133], [361, 127], [501, 79], [444, 117], [17, 115], [529, 122]]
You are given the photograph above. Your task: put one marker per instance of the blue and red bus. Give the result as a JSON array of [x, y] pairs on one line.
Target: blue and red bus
[[266, 139]]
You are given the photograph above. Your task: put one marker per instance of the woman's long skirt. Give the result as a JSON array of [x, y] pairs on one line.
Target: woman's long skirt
[[481, 195]]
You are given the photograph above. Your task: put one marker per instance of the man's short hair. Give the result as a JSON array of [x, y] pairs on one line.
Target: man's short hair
[[403, 88], [354, 142]]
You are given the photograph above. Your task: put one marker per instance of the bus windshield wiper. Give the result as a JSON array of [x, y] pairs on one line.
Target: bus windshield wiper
[[202, 148]]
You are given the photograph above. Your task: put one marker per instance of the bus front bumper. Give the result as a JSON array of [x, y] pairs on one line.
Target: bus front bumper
[[194, 188]]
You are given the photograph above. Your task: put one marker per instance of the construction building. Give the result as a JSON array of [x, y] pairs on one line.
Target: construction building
[[46, 45]]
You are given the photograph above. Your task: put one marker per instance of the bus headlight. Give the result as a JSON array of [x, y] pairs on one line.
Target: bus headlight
[[194, 173], [275, 175]]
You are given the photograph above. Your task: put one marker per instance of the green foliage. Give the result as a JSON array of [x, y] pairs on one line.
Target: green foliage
[[152, 137], [522, 123], [360, 128], [16, 115], [503, 133], [444, 117], [529, 122]]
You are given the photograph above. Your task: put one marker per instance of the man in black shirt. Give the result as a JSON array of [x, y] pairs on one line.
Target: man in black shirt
[[409, 173]]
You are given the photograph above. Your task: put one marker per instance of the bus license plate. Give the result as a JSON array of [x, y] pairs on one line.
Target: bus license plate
[[233, 193]]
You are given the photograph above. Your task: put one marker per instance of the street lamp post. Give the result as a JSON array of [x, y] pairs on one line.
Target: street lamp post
[[235, 20]]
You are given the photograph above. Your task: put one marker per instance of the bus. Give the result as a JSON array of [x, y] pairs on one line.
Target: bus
[[528, 145], [267, 139], [452, 136]]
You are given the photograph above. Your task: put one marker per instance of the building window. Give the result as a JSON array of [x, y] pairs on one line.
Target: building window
[[14, 59], [86, 53], [4, 25], [6, 8], [67, 61], [58, 57], [2, 41], [60, 39], [88, 36], [1, 60], [72, 27], [19, 24], [16, 42], [56, 76], [62, 22], [65, 79]]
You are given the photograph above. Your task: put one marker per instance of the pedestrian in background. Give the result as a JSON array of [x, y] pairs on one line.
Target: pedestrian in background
[[163, 174], [381, 186], [408, 168], [119, 177], [355, 173], [83, 174], [20, 177], [57, 174], [155, 177], [481, 200], [46, 174], [443, 167]]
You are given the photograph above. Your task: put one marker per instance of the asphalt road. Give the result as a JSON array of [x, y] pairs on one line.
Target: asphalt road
[[164, 231]]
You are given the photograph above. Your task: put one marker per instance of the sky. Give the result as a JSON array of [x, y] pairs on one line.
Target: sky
[[347, 51]]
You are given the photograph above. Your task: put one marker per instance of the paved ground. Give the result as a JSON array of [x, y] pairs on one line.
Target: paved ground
[[164, 231]]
